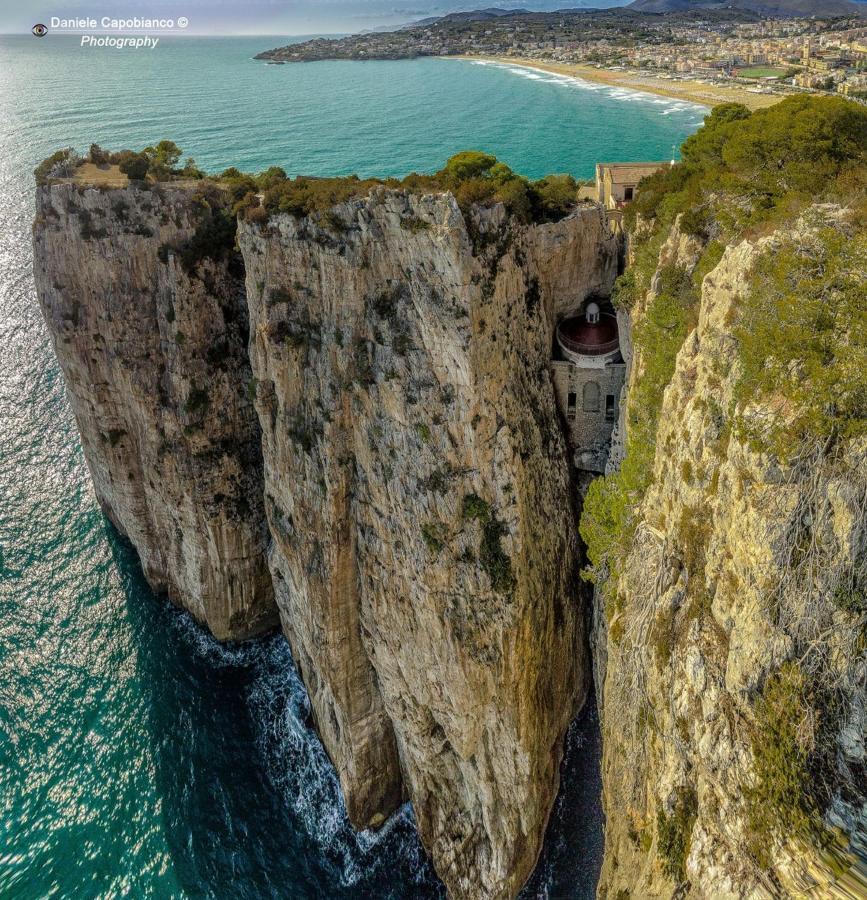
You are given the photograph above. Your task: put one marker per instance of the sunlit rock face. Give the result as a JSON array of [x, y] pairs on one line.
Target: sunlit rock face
[[733, 563], [156, 367], [418, 490]]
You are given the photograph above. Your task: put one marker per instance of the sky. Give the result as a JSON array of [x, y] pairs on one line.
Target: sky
[[285, 17]]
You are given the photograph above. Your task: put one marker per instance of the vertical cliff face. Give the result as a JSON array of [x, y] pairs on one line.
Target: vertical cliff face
[[731, 651], [418, 491], [405, 495], [156, 366]]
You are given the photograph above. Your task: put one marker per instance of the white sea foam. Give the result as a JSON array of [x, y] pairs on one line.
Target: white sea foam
[[667, 105], [296, 761]]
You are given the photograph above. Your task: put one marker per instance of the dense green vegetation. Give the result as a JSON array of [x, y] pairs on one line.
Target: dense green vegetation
[[471, 176], [801, 332], [789, 741], [673, 832]]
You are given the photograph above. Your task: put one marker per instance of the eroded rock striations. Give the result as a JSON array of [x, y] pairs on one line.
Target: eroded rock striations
[[410, 487], [154, 356]]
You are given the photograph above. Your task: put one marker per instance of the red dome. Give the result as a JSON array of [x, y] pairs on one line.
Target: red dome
[[589, 338]]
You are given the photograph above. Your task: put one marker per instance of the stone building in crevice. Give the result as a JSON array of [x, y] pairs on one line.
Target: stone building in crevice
[[588, 372]]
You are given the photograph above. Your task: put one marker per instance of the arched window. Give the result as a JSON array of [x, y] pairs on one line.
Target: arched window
[[591, 397]]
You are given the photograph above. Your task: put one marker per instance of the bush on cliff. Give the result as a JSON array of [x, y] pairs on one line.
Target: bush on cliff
[[98, 156], [673, 832], [473, 178], [794, 751], [133, 165], [59, 165]]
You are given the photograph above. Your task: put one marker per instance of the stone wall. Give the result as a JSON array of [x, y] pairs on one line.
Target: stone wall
[[589, 425]]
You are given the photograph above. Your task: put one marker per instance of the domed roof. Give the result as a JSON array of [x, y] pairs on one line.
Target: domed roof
[[589, 338]]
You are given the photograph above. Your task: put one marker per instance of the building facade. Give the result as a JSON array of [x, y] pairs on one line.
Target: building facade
[[588, 374], [617, 183]]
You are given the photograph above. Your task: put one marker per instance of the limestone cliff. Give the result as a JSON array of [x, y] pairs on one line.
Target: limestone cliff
[[410, 486], [729, 639], [418, 491], [154, 354]]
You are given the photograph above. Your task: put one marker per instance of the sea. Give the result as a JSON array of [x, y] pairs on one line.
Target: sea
[[139, 757]]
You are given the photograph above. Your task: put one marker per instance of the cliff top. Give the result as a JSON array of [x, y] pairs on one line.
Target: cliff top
[[110, 175], [473, 178]]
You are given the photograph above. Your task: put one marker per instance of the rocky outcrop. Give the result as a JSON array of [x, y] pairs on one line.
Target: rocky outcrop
[[424, 552], [155, 361], [410, 486], [731, 620]]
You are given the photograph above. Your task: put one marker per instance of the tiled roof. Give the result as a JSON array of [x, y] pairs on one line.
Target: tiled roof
[[632, 173]]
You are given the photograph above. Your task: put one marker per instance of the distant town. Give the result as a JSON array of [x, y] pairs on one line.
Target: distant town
[[723, 47]]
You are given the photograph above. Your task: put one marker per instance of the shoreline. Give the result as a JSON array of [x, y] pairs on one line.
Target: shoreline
[[689, 91]]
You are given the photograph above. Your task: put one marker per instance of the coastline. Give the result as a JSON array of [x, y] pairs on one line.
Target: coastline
[[690, 91]]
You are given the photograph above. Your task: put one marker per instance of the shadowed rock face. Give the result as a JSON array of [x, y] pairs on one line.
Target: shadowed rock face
[[156, 367], [412, 470]]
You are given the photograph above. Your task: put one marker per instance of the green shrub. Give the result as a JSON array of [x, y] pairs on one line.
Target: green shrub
[[469, 164], [556, 196], [385, 304], [851, 596], [494, 560], [135, 166], [673, 833], [433, 537], [98, 156], [197, 401], [473, 507], [58, 163], [778, 801], [162, 159]]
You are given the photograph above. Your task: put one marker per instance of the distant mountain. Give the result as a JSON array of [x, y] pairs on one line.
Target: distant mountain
[[480, 15], [782, 8], [472, 15]]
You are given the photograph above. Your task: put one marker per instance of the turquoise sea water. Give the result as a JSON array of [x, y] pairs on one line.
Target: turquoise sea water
[[137, 756]]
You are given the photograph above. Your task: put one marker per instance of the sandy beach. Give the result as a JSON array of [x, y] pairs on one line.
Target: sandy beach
[[690, 90]]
